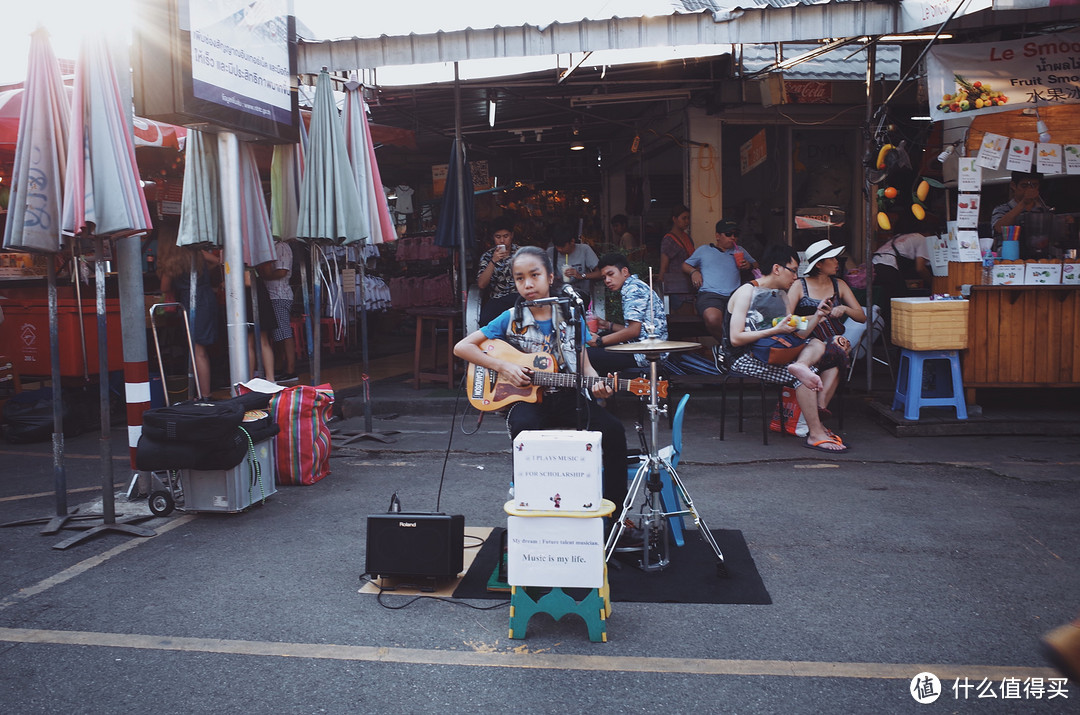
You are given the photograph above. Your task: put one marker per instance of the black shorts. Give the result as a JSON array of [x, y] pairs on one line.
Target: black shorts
[[711, 300]]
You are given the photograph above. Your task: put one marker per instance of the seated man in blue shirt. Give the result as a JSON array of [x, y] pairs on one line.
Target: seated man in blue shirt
[[714, 270], [640, 306]]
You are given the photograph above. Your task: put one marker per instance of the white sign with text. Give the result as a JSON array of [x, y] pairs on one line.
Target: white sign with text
[[555, 551]]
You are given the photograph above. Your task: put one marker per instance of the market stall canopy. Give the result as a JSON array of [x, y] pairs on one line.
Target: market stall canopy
[[147, 132]]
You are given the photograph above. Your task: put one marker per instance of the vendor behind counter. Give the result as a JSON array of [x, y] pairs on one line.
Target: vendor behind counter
[[1044, 232]]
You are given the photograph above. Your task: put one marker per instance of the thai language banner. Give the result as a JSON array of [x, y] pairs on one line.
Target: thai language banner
[[240, 55], [974, 79]]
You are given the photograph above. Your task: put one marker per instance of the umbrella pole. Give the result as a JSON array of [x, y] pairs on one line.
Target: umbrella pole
[[362, 307], [76, 273], [316, 318], [54, 523], [194, 388], [868, 219], [108, 496], [307, 312], [108, 506], [459, 148], [59, 475], [255, 329]]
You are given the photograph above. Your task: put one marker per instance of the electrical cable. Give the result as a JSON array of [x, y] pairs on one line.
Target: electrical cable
[[441, 599], [449, 441]]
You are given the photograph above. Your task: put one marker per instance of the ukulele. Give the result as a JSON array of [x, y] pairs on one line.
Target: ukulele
[[488, 391]]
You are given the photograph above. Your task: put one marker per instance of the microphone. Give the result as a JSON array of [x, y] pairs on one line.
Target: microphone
[[544, 301], [572, 294]]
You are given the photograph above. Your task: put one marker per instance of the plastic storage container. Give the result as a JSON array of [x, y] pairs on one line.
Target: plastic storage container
[[924, 324]]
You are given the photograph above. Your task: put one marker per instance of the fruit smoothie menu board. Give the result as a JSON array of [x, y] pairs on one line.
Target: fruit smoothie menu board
[[983, 78]]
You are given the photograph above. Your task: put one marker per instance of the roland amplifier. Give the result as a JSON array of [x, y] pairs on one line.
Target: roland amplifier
[[415, 544]]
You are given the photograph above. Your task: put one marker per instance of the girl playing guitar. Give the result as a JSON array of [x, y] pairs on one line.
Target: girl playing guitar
[[532, 329]]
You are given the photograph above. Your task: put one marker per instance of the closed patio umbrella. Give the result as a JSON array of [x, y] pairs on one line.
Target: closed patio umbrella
[[286, 173], [33, 219], [375, 210], [456, 219], [201, 220], [330, 209], [103, 197]]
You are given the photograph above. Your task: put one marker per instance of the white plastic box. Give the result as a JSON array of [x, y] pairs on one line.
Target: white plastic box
[[558, 470], [231, 490]]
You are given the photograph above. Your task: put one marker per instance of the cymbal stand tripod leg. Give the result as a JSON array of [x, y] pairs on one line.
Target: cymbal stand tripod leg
[[702, 527], [653, 522]]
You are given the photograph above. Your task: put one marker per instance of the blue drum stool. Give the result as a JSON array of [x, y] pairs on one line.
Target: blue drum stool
[[948, 386]]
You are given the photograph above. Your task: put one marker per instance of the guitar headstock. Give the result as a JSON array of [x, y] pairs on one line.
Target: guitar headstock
[[640, 387]]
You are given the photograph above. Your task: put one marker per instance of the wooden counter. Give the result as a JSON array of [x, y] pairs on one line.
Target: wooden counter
[[1019, 336], [1023, 336]]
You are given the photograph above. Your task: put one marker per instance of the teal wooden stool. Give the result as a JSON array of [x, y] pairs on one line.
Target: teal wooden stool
[[594, 608], [527, 601]]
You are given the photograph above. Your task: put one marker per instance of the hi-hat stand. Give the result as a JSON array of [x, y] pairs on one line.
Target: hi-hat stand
[[655, 546]]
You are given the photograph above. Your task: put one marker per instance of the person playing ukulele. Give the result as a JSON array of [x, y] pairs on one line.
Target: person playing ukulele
[[534, 329]]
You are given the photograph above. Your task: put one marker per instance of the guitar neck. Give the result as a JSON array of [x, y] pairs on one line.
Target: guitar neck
[[567, 379]]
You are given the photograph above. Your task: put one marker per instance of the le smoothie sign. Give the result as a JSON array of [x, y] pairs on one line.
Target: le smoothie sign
[[973, 79]]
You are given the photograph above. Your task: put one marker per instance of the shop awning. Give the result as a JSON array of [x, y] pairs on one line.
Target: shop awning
[[147, 131], [806, 22]]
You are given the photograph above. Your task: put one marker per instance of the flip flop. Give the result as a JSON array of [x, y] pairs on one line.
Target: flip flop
[[817, 446]]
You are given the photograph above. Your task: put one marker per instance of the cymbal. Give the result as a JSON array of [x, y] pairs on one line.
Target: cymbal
[[653, 346]]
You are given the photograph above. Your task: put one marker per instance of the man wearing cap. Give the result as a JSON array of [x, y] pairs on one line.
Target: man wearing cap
[[714, 271]]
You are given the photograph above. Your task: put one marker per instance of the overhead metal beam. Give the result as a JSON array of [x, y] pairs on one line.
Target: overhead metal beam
[[569, 70], [800, 23]]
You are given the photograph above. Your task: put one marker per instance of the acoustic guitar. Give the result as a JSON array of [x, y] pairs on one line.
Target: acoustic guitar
[[488, 391]]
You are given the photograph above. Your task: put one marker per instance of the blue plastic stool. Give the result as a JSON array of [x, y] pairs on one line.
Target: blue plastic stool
[[948, 388]]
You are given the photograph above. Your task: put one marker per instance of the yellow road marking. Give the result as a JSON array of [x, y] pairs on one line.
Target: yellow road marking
[[38, 495], [516, 659], [87, 564]]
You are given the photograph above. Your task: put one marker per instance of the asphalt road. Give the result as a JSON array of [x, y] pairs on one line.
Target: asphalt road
[[945, 555]]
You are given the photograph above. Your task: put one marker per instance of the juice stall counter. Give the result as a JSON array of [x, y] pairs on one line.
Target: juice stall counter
[[1018, 335]]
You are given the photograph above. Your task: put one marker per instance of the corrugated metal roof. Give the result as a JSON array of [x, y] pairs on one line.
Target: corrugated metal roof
[[792, 23], [843, 63]]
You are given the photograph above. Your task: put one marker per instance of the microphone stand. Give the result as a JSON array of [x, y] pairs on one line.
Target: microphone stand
[[575, 311]]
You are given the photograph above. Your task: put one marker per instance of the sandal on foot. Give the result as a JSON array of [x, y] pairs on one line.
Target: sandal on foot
[[818, 446]]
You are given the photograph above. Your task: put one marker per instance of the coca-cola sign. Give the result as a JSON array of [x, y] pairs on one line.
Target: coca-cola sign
[[807, 92]]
